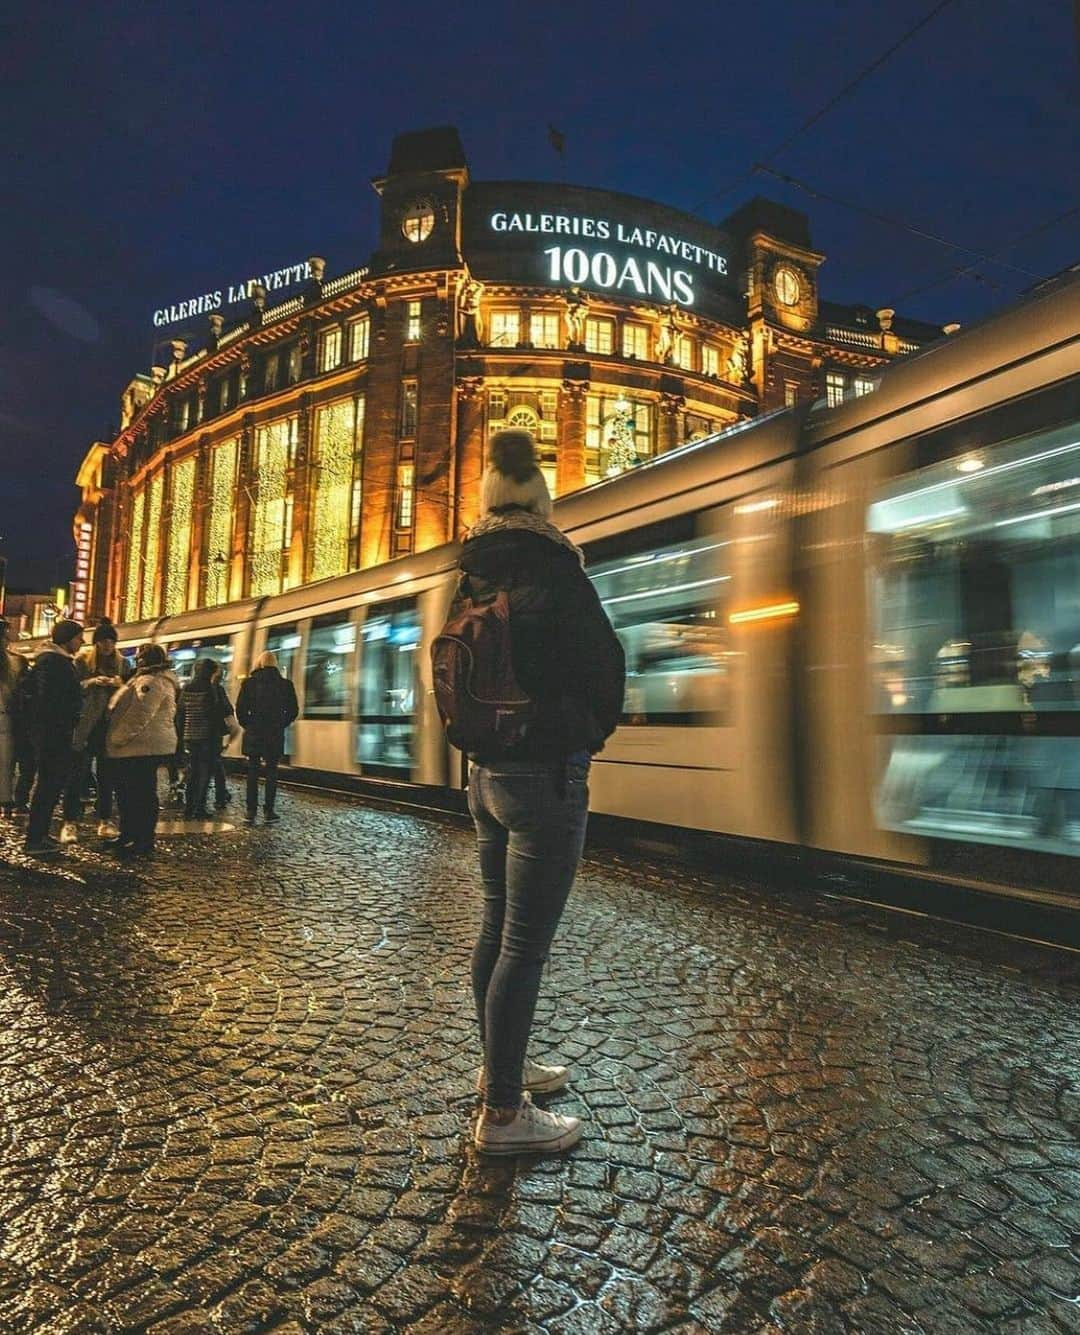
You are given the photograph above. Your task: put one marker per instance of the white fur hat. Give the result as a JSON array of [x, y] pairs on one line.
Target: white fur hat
[[512, 476]]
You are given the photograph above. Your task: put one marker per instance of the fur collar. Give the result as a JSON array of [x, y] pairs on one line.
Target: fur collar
[[510, 519]]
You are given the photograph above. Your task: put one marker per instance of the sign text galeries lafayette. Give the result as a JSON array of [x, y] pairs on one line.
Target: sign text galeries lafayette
[[205, 303], [572, 237]]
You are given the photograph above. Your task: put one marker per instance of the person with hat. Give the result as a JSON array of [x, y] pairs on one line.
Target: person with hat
[[101, 671], [141, 736], [55, 701], [528, 793]]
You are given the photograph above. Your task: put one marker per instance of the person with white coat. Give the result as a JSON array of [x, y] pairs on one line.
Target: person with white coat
[[140, 737]]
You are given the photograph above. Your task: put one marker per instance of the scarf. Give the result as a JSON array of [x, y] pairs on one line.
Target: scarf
[[502, 520]]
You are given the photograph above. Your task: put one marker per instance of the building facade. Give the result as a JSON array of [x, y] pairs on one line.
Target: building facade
[[347, 425]]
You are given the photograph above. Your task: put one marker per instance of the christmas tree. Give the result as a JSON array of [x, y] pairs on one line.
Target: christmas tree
[[621, 453]]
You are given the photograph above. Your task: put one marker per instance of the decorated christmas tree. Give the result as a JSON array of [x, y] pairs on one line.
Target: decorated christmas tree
[[621, 451]]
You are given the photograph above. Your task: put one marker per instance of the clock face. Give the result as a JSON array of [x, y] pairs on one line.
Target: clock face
[[787, 286], [418, 221]]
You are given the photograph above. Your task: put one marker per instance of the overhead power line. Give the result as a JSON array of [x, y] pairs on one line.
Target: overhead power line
[[848, 88], [760, 168], [968, 270]]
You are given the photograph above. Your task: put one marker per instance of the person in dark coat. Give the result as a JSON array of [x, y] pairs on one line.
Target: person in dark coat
[[265, 708], [199, 725], [55, 702], [229, 729], [530, 806]]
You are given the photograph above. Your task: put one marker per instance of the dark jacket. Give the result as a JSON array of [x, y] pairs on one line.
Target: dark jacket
[[264, 709], [567, 657], [199, 717], [54, 699]]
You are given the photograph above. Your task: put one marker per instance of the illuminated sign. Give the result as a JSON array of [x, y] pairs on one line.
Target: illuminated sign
[[574, 237], [205, 303]]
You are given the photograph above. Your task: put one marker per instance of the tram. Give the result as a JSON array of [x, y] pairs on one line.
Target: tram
[[851, 629]]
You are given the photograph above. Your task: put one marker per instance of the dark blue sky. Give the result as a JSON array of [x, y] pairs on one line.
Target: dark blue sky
[[151, 151]]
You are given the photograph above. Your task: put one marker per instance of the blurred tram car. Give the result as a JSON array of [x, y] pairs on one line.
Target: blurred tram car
[[853, 629]]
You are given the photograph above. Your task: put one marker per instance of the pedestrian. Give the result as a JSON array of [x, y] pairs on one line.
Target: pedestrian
[[54, 699], [12, 669], [199, 727], [101, 671], [528, 795], [230, 728], [264, 709], [141, 736]]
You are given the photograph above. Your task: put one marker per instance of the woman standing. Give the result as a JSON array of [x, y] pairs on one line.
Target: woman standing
[[265, 708], [141, 736], [101, 671], [530, 802]]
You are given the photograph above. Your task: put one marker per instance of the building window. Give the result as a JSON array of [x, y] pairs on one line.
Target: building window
[[405, 475], [599, 335], [496, 405], [505, 329], [834, 389], [330, 349], [225, 394], [635, 341], [685, 357], [412, 322], [860, 386], [270, 372], [183, 414], [359, 338], [544, 330], [618, 434], [219, 522], [178, 561], [271, 521], [335, 486], [710, 360], [408, 410], [791, 394], [155, 498], [296, 364]]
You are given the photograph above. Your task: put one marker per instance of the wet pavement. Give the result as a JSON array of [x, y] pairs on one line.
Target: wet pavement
[[237, 1083]]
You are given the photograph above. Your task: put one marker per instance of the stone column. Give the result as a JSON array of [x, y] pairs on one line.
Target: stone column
[[469, 452], [245, 484], [299, 561], [570, 463], [668, 434]]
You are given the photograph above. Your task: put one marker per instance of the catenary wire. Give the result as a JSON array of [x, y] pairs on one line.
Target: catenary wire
[[849, 87]]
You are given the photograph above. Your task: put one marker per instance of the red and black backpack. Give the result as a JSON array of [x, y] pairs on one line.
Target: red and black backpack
[[480, 701]]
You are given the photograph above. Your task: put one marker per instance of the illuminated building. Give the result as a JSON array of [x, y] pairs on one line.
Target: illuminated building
[[346, 424]]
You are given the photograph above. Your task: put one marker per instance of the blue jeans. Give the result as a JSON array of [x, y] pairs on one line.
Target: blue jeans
[[530, 828]]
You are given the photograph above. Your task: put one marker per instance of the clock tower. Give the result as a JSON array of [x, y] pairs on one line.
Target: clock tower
[[421, 193]]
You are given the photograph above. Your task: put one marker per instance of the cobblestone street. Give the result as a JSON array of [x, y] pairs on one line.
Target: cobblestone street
[[238, 1080]]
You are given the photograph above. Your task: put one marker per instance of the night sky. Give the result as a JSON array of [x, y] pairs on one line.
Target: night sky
[[154, 151]]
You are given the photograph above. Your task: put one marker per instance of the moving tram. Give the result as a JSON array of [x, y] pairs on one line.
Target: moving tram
[[851, 632]]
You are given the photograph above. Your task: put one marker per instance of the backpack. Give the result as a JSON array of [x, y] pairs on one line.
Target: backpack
[[483, 708]]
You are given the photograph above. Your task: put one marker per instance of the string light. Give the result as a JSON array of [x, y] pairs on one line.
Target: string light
[[220, 523], [178, 565]]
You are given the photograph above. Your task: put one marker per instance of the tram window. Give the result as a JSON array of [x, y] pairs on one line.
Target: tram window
[[666, 600], [184, 655], [326, 668], [975, 591], [284, 641], [388, 675]]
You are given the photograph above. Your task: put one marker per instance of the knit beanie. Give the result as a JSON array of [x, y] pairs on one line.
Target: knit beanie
[[105, 630], [64, 631], [513, 477]]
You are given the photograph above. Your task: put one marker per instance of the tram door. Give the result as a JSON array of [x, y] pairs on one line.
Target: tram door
[[386, 732]]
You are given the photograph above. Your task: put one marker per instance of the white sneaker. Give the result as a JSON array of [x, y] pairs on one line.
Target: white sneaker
[[69, 832], [532, 1131], [107, 830], [536, 1078]]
